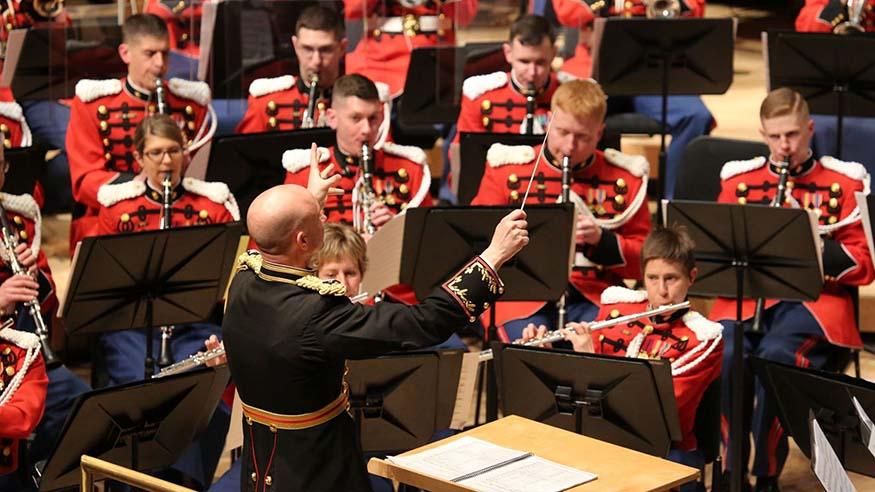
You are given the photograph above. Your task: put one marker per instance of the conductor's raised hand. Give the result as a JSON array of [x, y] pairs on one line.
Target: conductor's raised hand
[[321, 183], [511, 235]]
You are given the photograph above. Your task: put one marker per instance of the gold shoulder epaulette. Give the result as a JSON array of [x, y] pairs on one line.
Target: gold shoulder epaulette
[[250, 260], [330, 287]]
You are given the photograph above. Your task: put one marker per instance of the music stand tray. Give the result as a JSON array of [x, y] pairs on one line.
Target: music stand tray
[[252, 163], [828, 396], [627, 402], [144, 426]]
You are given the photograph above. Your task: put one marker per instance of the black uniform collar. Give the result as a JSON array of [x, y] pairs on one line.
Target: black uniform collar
[[524, 90], [348, 164], [321, 93], [157, 196], [557, 163], [137, 93], [799, 171]]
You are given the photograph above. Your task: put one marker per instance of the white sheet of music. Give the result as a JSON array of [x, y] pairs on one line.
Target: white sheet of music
[[466, 391], [532, 474], [826, 464], [458, 458], [867, 428]]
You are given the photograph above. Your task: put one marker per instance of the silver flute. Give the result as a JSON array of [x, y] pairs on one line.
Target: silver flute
[[557, 335]]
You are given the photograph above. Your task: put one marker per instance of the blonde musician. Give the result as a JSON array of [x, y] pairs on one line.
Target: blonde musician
[[692, 343]]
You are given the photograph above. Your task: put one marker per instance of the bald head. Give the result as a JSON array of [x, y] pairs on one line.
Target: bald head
[[285, 220]]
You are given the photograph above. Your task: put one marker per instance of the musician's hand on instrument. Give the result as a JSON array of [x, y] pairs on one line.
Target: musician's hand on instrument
[[511, 235], [16, 289], [580, 337], [321, 183], [380, 214], [213, 343], [26, 258], [588, 231], [531, 331]]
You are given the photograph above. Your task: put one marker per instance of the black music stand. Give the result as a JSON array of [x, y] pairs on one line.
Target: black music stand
[[627, 402], [47, 62], [26, 166], [149, 279], [828, 396], [442, 239], [398, 401], [835, 74], [743, 251], [252, 163], [144, 426], [445, 69], [663, 57], [472, 152]]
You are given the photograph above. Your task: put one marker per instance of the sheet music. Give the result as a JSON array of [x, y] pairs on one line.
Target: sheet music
[[384, 256], [457, 458], [533, 474], [867, 428], [826, 464], [466, 392]]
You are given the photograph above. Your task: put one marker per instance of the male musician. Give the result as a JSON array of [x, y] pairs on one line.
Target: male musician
[[285, 328], [394, 28], [281, 103], [813, 334], [105, 114], [691, 342], [400, 175], [610, 186], [516, 101], [183, 19], [837, 16], [687, 116]]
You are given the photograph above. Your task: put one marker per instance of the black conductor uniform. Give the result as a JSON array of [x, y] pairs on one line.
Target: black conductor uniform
[[288, 334]]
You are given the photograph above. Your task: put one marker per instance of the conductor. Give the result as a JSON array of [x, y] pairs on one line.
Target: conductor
[[288, 334]]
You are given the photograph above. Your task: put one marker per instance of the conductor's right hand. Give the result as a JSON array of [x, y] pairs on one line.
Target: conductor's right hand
[[511, 235]]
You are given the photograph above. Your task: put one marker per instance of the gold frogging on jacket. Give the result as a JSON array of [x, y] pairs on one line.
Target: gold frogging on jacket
[[454, 285]]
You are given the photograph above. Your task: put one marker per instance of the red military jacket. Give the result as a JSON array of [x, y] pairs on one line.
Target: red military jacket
[[401, 177], [134, 206], [825, 187], [21, 14], [394, 28], [23, 384], [279, 103], [611, 186], [103, 118], [580, 14], [496, 103], [692, 343], [825, 15], [183, 19]]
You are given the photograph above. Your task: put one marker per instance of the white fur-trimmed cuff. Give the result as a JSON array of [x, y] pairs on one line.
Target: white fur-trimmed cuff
[[622, 295], [297, 159], [215, 191], [261, 87], [734, 168], [501, 155], [476, 86], [88, 90], [194, 90]]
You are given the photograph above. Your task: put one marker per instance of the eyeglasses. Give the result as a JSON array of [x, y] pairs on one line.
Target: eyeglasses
[[158, 155]]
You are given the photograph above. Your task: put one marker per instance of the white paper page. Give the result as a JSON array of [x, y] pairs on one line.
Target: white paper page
[[466, 392], [826, 464], [455, 459], [868, 428], [533, 474]]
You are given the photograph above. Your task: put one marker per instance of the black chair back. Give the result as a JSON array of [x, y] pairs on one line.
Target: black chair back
[[699, 176]]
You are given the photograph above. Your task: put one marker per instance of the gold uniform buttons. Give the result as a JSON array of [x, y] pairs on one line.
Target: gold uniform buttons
[[22, 234], [191, 125], [271, 122], [833, 203], [203, 214], [742, 201], [833, 219], [17, 220], [125, 218], [404, 190], [619, 200], [486, 106], [320, 106], [377, 33], [10, 371], [486, 121], [4, 128], [514, 195], [402, 174], [615, 313], [742, 187], [268, 480], [189, 110], [104, 126], [835, 188], [7, 143], [7, 351], [101, 110], [254, 477]]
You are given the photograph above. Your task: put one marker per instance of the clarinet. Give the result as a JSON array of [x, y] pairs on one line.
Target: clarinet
[[165, 358], [530, 109], [10, 241], [566, 197], [783, 176], [368, 194], [307, 120]]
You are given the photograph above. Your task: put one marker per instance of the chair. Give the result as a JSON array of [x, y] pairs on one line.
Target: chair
[[707, 430]]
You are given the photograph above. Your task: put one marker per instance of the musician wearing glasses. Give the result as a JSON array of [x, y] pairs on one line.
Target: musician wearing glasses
[[289, 102], [378, 182], [609, 188], [815, 334], [105, 114], [690, 341]]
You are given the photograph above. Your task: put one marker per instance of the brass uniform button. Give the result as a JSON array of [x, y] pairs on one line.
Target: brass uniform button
[[203, 214], [601, 338], [104, 126], [268, 480], [390, 201], [835, 188], [619, 200], [833, 203], [125, 218], [7, 351], [615, 313], [790, 185], [648, 329], [403, 190], [742, 201], [271, 105], [621, 183], [486, 121], [22, 235], [7, 143], [271, 122], [486, 106], [189, 110], [402, 173], [17, 220], [254, 477], [106, 142], [742, 187], [320, 106], [7, 451], [191, 125], [107, 156], [10, 371], [102, 110], [513, 179], [833, 219], [377, 33], [514, 195], [4, 128]]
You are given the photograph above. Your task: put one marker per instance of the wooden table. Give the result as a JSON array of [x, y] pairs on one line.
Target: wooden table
[[618, 469]]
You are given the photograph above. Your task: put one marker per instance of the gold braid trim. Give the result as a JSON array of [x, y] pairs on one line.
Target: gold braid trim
[[249, 260], [323, 287]]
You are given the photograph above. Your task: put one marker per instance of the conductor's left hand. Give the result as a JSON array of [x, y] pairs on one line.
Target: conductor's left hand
[[321, 183]]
